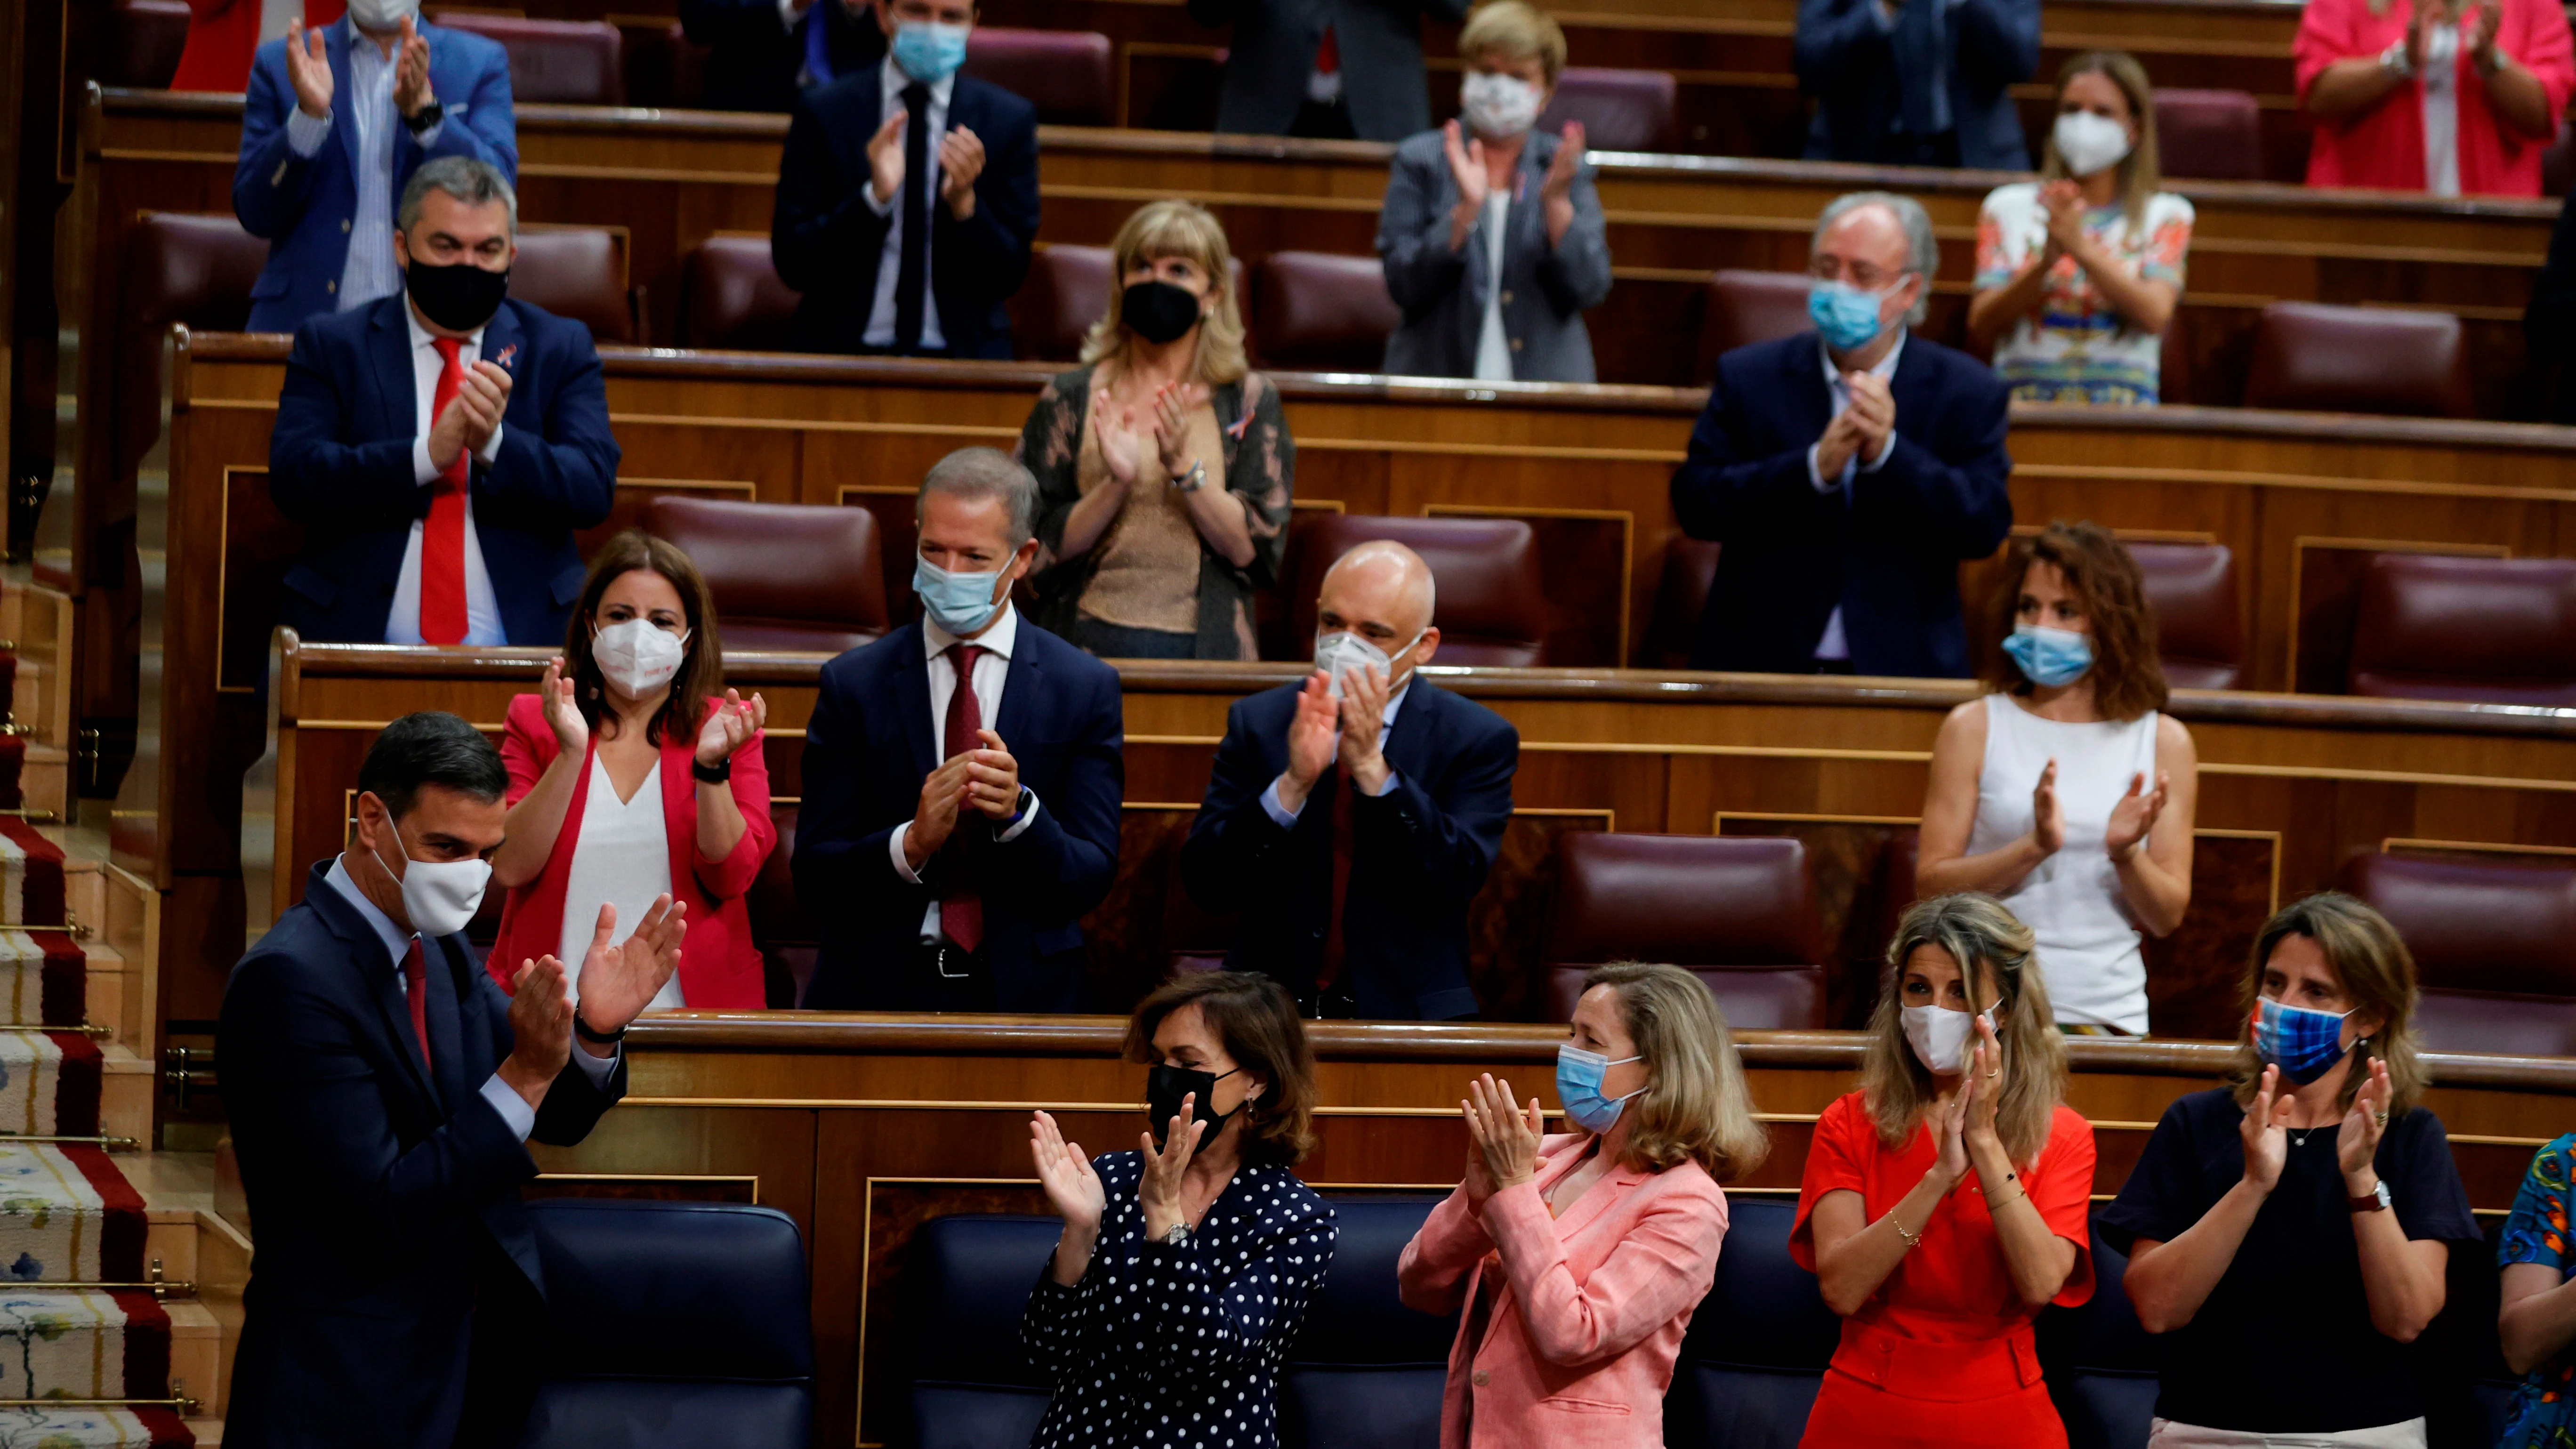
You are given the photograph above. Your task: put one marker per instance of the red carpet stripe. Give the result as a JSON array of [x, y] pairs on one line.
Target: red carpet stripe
[[76, 1090], [147, 1346], [123, 1224], [44, 892]]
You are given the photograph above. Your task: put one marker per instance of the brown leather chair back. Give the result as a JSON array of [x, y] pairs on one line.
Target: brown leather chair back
[[730, 296], [1738, 912], [196, 270], [785, 575], [2317, 358], [2558, 163], [1621, 110], [577, 272], [2200, 632], [1492, 605], [562, 62], [1069, 75], [1067, 291], [1317, 312], [1681, 597], [2209, 135], [788, 935], [1748, 307], [2479, 630], [146, 38], [2494, 945]]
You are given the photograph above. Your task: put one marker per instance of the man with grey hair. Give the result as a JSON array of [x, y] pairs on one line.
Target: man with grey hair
[[962, 778], [1848, 469], [441, 445]]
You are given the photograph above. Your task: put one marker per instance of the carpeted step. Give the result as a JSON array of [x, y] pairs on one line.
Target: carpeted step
[[50, 1084], [43, 979], [67, 1216], [83, 1345], [31, 873], [93, 1429]]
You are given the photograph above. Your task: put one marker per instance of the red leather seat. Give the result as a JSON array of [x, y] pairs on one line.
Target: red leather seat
[[2480, 630], [577, 272], [2210, 135], [2200, 629], [1317, 312], [2317, 358], [1621, 110], [1069, 75], [785, 575], [147, 37], [788, 935], [1067, 291], [1681, 597], [196, 270], [1492, 605], [1748, 307], [730, 296], [1737, 912], [562, 62], [2494, 945]]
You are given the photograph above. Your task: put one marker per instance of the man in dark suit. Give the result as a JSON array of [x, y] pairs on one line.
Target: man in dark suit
[[1917, 82], [1848, 470], [762, 53], [1333, 69], [381, 1090], [949, 873], [441, 445], [1352, 832], [908, 198]]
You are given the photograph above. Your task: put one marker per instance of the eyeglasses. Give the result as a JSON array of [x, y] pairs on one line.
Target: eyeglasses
[[1858, 274]]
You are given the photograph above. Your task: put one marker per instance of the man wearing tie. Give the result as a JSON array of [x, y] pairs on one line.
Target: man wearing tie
[[908, 197], [441, 445], [962, 779], [1351, 819], [381, 1090]]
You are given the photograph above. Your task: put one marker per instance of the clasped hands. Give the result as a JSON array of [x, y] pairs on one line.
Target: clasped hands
[[482, 396], [1502, 1140], [961, 160], [1963, 1122], [1122, 437], [986, 781], [1863, 430], [617, 982], [1323, 728]]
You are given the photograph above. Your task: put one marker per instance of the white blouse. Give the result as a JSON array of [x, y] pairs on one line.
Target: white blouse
[[622, 858]]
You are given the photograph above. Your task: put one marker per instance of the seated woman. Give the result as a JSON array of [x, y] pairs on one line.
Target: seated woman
[[2537, 1322], [2067, 793], [630, 778], [2453, 97], [2312, 1186], [1944, 1202], [1581, 1256], [1186, 1266], [2078, 273], [1492, 235], [1164, 466]]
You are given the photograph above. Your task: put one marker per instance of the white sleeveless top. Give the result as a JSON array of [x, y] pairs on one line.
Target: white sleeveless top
[[2087, 940], [623, 857]]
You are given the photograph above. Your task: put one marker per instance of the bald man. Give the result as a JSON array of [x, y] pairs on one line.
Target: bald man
[[1352, 818]]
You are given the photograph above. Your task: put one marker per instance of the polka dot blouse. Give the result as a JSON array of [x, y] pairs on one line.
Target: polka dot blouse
[[1179, 1347]]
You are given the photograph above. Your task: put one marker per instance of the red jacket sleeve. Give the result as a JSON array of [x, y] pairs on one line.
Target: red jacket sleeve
[[2325, 36], [2544, 48], [1844, 1136], [2061, 1187], [732, 876], [527, 745]]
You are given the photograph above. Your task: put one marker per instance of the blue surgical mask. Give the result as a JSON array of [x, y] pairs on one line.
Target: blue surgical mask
[[958, 603], [928, 51], [1846, 315], [1578, 1088], [2049, 657], [2304, 1044]]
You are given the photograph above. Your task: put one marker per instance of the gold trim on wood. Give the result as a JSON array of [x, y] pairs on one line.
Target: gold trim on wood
[[750, 1177], [2482, 847], [1717, 824]]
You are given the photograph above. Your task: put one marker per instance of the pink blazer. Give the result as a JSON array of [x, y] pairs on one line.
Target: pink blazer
[[1575, 1346]]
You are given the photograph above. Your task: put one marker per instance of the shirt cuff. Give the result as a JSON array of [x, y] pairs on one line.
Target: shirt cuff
[[1871, 465], [1280, 815], [1813, 450], [787, 15], [490, 452], [868, 194], [1884, 15], [426, 139], [424, 473], [597, 1069], [894, 846], [514, 1109], [1027, 818], [305, 134], [1388, 788]]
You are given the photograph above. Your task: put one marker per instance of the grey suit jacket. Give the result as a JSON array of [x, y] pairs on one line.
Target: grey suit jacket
[[1545, 289], [1273, 51]]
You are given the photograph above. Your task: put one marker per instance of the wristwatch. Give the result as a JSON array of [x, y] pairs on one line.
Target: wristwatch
[[1174, 1237], [582, 1029], [424, 118], [2375, 1201], [2393, 60], [1193, 480], [715, 774]]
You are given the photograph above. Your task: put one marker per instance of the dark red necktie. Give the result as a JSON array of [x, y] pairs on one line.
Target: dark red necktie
[[1328, 55], [416, 987], [961, 910], [442, 537], [1334, 950]]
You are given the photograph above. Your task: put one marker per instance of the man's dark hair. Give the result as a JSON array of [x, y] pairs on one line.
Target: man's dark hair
[[432, 747]]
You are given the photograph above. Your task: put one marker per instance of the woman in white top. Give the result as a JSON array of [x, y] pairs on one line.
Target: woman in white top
[[2078, 273], [2067, 793]]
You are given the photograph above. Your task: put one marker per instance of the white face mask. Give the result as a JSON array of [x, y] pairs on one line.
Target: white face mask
[[440, 896], [2088, 143], [383, 14], [1498, 107], [638, 656], [1345, 653], [1939, 1035]]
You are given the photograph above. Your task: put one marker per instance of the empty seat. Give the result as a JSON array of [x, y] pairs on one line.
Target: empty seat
[[730, 296], [562, 62], [1737, 912], [195, 270], [1067, 291], [1367, 1372], [2200, 631], [1757, 1346], [785, 575], [2210, 135], [146, 38], [1621, 110], [2317, 358], [2479, 630], [1068, 75], [1492, 605], [788, 935], [577, 272], [2494, 943], [2101, 1365], [1317, 312], [968, 1383], [1748, 307], [1681, 597]]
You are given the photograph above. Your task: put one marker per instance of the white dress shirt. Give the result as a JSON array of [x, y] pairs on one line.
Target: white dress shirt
[[621, 857], [1833, 645], [1493, 344], [482, 609], [890, 84], [2440, 72], [369, 272], [992, 671], [505, 1099], [1287, 818]]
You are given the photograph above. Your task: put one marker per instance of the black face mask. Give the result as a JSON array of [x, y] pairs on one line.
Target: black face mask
[[1164, 1088], [1158, 311], [459, 297]]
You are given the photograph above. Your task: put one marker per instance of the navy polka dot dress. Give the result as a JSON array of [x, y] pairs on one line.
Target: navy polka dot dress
[[1179, 1347]]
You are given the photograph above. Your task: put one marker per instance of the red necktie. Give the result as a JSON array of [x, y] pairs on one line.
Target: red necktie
[[442, 538], [961, 910], [1328, 56], [1334, 948], [416, 987]]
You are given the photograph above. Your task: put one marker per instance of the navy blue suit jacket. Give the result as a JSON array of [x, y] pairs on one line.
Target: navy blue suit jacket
[[339, 462], [381, 1188], [1852, 67], [1419, 852], [827, 242], [1888, 553], [303, 206], [755, 57], [867, 749]]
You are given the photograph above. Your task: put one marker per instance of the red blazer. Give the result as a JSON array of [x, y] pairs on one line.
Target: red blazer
[[719, 964], [224, 34], [2384, 145]]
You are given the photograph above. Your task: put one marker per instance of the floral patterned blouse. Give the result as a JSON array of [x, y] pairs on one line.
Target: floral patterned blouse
[[2076, 347], [2544, 1409]]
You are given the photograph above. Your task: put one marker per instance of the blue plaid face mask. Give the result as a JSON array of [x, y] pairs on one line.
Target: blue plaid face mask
[[2304, 1044]]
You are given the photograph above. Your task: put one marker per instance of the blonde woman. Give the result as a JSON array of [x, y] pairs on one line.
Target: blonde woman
[[1944, 1202], [1581, 1256], [2079, 272], [1164, 466], [2299, 1218]]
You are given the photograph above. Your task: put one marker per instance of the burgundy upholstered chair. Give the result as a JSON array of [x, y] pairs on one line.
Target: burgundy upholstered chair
[[179, 268], [1318, 312], [577, 272], [1681, 597], [2200, 630], [730, 297], [1067, 291], [2494, 945], [2316, 358], [1492, 601], [1737, 912], [2209, 135], [1748, 307], [788, 935], [2477, 630], [1621, 110], [799, 576], [1069, 75], [563, 62], [145, 39]]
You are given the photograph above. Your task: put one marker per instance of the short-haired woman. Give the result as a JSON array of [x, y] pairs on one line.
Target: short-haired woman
[[2314, 1186], [630, 778], [2067, 793], [1186, 1266], [1581, 1256], [1491, 233], [1944, 1202], [1163, 463], [2079, 272]]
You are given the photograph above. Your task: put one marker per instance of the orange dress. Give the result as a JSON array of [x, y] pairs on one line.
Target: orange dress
[[1942, 1353]]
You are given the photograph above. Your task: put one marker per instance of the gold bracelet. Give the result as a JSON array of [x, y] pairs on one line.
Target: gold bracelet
[[1912, 1240]]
